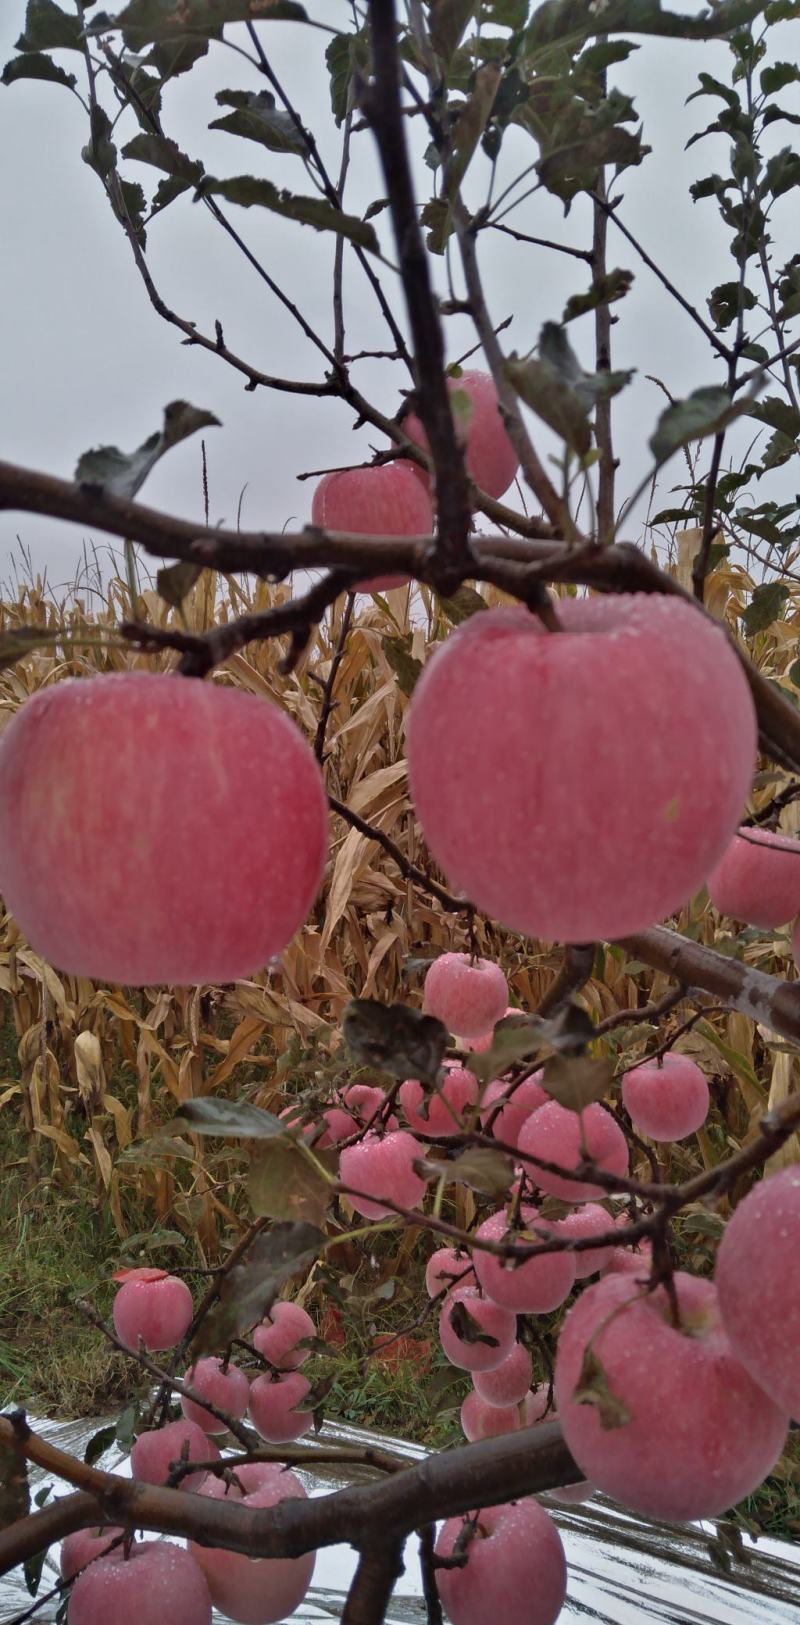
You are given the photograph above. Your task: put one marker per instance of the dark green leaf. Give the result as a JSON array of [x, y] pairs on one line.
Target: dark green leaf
[[176, 581], [99, 1443], [555, 387], [571, 21], [766, 605], [145, 21], [604, 291], [713, 87], [467, 1328], [436, 216], [724, 300], [406, 667], [447, 20], [36, 66], [470, 125], [124, 472], [249, 1290], [516, 1038], [164, 154], [482, 1169], [778, 414], [464, 603], [779, 74], [173, 57], [100, 153], [32, 1570], [704, 412], [577, 1082], [135, 205], [794, 673], [283, 1183], [236, 1119], [780, 448], [249, 191], [256, 117], [345, 55], [783, 171], [395, 1038], [48, 28]]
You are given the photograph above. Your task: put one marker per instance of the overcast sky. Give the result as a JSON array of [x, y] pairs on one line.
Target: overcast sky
[[86, 360]]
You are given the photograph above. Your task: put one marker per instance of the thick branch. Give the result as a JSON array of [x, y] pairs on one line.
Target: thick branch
[[764, 998], [379, 1567]]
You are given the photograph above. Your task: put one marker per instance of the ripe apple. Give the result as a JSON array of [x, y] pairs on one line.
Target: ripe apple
[[384, 499], [85, 1545], [468, 997], [578, 787], [508, 1383], [491, 459], [515, 1572], [507, 1122], [489, 1333], [156, 1451], [356, 1108], [481, 1420], [255, 1591], [157, 1582], [556, 1134], [664, 1418], [277, 1337], [479, 1046], [587, 1220], [666, 1099], [533, 1287], [758, 879], [441, 1112], [228, 1389], [275, 1407], [152, 1307], [134, 790], [757, 1276], [443, 1269], [382, 1167]]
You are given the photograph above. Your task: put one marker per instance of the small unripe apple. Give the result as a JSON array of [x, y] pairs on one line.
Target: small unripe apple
[[134, 790], [283, 1328], [152, 1307], [550, 793], [664, 1418], [533, 1287], [758, 879], [261, 1590], [227, 1389], [384, 499], [468, 997], [382, 1167], [158, 1582], [515, 1572], [275, 1407], [508, 1383], [489, 1333], [666, 1099], [158, 1450], [757, 1276], [556, 1134], [442, 1111], [490, 457]]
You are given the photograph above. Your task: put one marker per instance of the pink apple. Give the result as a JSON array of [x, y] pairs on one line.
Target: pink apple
[[255, 1591], [467, 996], [275, 1407], [508, 1383], [157, 1582], [283, 1328], [491, 1334], [536, 1407], [556, 1134], [356, 1107], [443, 1269], [480, 1420], [153, 1308], [491, 459], [758, 1281], [587, 1220], [533, 1287], [441, 1112], [547, 792], [636, 1261], [139, 888], [479, 1046], [515, 1573], [157, 1451], [228, 1389], [507, 1123], [384, 499], [380, 1169], [758, 879], [670, 1424], [666, 1099], [88, 1544]]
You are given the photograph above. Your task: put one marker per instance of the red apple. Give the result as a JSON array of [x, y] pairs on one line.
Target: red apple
[[533, 1287], [158, 1582], [507, 1123], [758, 1280], [666, 1099], [491, 459], [444, 1268], [441, 1112], [515, 1573], [380, 1169], [281, 1331], [88, 1544], [158, 1450], [480, 1420], [384, 499], [275, 1407], [153, 1308], [255, 1591], [508, 1383], [664, 1418], [134, 791], [758, 879], [587, 1220], [582, 785], [468, 997], [228, 1389], [489, 1334], [556, 1134]]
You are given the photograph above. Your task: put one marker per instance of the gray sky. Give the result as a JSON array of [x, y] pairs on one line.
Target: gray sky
[[87, 361]]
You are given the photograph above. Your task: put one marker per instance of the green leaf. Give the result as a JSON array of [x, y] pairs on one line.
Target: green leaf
[[704, 412], [249, 1290], [556, 388], [123, 473], [257, 118], [249, 191], [236, 1119], [406, 667], [516, 1038], [48, 28], [125, 1428], [395, 1038], [164, 154], [482, 1169], [464, 603], [173, 57], [100, 153], [723, 303], [176, 581], [283, 1183], [36, 66], [778, 414], [99, 1443], [447, 20], [713, 87], [470, 125], [567, 22], [135, 206], [578, 1081], [766, 605], [145, 21], [783, 171], [32, 1570], [779, 74], [592, 1388], [345, 55], [604, 291]]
